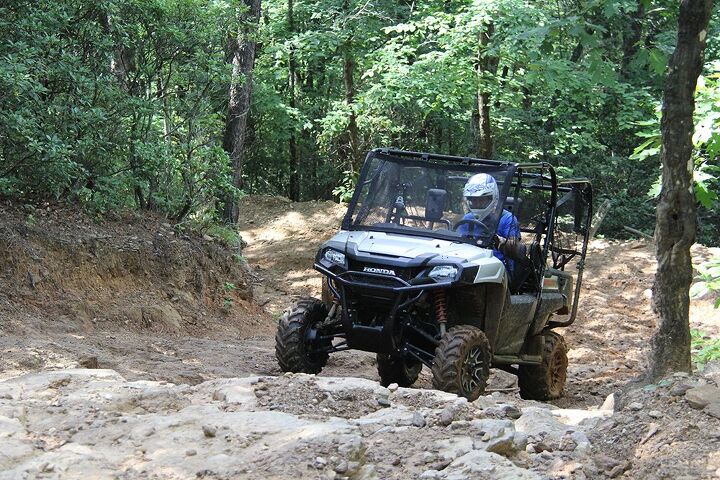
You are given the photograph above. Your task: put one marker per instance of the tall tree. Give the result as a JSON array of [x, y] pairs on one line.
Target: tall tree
[[486, 64], [676, 219], [352, 129], [292, 86], [355, 159], [242, 54], [631, 38]]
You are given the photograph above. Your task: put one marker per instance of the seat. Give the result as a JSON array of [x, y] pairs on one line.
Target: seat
[[512, 204], [525, 277], [435, 203]]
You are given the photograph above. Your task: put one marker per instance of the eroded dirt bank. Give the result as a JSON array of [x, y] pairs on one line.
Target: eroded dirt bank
[[139, 298]]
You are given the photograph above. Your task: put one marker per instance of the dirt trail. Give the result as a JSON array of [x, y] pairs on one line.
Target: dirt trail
[[104, 303], [283, 238]]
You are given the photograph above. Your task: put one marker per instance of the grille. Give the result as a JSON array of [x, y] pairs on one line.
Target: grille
[[374, 280], [404, 273]]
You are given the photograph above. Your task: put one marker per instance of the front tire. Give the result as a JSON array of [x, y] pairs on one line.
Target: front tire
[[547, 380], [462, 362], [295, 349], [402, 371]]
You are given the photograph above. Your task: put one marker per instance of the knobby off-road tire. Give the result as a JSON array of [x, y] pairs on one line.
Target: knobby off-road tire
[[462, 362], [402, 371], [547, 380], [293, 350]]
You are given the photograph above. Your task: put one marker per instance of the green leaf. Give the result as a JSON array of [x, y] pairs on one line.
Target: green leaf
[[704, 195], [658, 61], [699, 290], [655, 189]]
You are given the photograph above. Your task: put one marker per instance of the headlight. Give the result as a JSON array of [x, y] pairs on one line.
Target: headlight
[[333, 256], [443, 272]]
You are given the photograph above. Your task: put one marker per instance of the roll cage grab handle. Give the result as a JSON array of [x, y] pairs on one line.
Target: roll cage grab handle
[[587, 191]]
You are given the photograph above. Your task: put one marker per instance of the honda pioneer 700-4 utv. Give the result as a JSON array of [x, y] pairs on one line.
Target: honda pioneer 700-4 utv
[[404, 279]]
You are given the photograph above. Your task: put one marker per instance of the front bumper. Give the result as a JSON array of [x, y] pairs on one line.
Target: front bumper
[[375, 306]]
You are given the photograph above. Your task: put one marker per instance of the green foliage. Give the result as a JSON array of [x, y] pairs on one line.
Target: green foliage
[[704, 348], [227, 235], [706, 153], [708, 280], [122, 104], [228, 301], [344, 191], [114, 104], [559, 92]]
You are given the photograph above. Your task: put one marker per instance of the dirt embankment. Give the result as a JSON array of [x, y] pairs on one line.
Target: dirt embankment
[[136, 273], [69, 282]]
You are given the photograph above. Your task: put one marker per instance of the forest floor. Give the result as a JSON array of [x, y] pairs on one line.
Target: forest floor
[[167, 322]]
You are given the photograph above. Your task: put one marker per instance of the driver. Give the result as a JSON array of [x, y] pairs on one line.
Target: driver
[[482, 198]]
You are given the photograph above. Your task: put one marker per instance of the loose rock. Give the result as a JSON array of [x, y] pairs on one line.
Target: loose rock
[[713, 409], [446, 416], [699, 397], [418, 420]]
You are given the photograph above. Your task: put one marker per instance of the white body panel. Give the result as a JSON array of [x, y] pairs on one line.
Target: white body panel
[[490, 269]]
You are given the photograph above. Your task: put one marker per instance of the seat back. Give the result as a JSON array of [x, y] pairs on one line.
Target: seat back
[[435, 204], [512, 204], [525, 277]]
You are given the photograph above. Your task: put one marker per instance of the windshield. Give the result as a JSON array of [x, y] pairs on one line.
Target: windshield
[[425, 197]]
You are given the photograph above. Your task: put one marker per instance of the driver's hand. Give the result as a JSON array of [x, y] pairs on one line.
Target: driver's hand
[[498, 240]]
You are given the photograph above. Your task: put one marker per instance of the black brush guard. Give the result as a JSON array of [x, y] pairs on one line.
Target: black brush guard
[[391, 296]]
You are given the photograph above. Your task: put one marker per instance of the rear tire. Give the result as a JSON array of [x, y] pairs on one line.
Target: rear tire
[[294, 350], [547, 380], [462, 362], [402, 371]]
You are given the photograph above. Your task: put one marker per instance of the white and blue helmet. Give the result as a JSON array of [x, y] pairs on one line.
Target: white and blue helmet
[[481, 195]]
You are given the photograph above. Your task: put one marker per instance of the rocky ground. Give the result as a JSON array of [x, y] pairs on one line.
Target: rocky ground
[[197, 393], [93, 423]]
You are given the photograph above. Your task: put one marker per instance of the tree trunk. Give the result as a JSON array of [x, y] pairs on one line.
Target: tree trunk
[[242, 54], [353, 135], [122, 62], [631, 38], [294, 192], [484, 144], [676, 220]]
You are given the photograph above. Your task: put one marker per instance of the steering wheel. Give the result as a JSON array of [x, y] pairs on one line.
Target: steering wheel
[[470, 221]]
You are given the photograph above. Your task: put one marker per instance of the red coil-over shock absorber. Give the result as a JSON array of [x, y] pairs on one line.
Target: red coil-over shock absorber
[[440, 305]]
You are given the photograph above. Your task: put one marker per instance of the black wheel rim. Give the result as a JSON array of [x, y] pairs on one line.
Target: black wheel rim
[[472, 374], [312, 346]]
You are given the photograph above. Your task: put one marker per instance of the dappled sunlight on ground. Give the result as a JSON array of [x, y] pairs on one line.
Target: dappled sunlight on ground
[[283, 239]]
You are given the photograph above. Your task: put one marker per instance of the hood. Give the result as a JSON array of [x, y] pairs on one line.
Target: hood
[[408, 246]]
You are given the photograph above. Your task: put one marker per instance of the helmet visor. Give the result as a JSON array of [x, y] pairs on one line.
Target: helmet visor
[[481, 202]]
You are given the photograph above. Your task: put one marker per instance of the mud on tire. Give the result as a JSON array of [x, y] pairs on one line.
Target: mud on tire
[[402, 371], [547, 380], [462, 362], [293, 350]]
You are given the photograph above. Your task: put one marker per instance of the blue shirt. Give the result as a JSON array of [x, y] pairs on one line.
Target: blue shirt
[[508, 227]]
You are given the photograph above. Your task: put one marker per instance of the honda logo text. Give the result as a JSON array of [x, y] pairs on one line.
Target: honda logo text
[[382, 271]]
